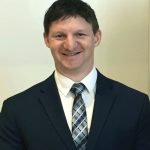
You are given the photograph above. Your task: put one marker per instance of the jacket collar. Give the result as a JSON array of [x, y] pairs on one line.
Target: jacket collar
[[53, 108], [104, 100]]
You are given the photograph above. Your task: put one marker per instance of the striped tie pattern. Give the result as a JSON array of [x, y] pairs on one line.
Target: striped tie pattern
[[79, 118]]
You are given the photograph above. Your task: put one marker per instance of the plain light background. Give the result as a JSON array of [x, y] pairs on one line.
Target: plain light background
[[123, 54]]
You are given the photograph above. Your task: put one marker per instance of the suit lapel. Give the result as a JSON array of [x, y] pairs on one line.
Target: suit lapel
[[51, 102], [104, 100]]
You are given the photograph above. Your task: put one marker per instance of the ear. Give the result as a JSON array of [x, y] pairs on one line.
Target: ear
[[97, 38], [46, 39]]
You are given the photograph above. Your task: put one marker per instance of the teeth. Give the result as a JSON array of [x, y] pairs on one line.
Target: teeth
[[72, 54]]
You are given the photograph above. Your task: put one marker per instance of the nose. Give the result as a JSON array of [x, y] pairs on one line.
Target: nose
[[70, 43]]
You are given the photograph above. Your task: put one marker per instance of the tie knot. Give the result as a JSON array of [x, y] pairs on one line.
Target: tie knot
[[77, 88]]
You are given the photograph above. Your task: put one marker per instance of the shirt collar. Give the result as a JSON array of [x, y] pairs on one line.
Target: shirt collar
[[64, 84], [90, 80]]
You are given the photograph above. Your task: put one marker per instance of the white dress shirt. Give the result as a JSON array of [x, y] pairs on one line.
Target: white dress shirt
[[64, 85]]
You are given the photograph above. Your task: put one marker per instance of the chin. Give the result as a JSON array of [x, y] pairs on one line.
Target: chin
[[71, 68]]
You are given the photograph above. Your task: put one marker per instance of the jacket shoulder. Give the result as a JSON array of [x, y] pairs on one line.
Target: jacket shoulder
[[31, 93], [118, 88]]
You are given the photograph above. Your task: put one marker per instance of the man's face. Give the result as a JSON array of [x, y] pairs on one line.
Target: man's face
[[72, 44]]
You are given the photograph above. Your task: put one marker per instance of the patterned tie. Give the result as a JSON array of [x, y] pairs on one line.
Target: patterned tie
[[79, 118]]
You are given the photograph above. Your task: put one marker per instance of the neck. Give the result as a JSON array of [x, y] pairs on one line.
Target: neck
[[76, 76]]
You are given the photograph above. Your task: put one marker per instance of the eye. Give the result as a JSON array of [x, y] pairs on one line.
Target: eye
[[59, 36], [81, 34]]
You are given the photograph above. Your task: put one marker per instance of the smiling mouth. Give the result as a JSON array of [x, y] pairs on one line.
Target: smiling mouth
[[71, 54]]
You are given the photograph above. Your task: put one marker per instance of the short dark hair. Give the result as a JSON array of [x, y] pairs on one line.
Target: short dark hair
[[70, 8]]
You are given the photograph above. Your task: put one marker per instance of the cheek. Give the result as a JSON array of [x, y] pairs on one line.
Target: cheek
[[55, 46], [90, 46], [55, 51], [90, 50]]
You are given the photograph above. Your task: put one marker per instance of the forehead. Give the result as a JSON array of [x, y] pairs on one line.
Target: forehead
[[76, 22]]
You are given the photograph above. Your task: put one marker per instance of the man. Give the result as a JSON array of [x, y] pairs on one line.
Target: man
[[114, 116]]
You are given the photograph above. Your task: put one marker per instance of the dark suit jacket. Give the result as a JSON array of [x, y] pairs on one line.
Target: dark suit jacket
[[35, 120]]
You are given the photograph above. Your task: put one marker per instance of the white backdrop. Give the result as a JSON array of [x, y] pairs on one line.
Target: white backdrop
[[122, 55]]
